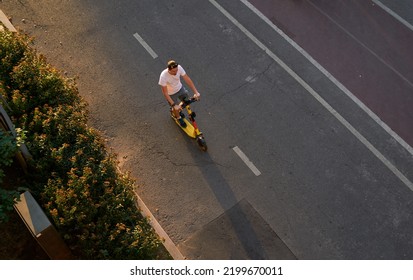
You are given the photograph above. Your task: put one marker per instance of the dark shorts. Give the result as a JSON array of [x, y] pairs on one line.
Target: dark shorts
[[180, 95]]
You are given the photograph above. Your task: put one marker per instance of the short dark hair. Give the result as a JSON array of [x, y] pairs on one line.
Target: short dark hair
[[172, 64]]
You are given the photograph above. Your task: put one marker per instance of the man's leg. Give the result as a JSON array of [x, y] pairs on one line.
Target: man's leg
[[177, 98]]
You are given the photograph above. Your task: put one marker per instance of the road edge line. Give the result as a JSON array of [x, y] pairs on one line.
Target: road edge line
[[393, 14], [346, 91], [321, 100]]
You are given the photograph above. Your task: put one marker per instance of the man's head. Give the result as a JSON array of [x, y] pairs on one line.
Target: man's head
[[172, 67]]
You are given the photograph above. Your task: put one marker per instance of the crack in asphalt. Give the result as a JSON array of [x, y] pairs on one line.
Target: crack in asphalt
[[245, 83]]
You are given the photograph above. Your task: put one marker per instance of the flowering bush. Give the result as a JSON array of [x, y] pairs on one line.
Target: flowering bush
[[91, 204]]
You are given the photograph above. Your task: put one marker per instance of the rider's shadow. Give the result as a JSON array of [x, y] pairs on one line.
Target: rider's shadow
[[239, 232]]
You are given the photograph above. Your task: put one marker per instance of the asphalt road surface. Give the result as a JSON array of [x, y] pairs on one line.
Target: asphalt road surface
[[321, 107]]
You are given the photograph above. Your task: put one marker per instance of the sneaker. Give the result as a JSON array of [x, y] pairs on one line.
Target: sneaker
[[182, 122]]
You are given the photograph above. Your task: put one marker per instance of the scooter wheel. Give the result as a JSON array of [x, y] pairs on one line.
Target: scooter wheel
[[202, 143]]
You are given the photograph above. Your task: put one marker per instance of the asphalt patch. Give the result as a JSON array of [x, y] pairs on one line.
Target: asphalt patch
[[240, 233]]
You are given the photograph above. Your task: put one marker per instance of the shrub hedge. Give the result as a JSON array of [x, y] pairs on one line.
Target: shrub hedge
[[8, 148], [75, 177]]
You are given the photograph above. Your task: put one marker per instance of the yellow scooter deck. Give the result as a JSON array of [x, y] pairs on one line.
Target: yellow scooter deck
[[189, 129]]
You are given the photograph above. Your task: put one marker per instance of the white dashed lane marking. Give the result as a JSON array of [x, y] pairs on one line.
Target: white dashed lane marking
[[246, 160], [145, 45]]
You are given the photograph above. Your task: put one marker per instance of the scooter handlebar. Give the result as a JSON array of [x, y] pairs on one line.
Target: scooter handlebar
[[186, 102]]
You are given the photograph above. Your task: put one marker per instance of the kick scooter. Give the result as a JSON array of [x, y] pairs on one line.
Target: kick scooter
[[191, 127]]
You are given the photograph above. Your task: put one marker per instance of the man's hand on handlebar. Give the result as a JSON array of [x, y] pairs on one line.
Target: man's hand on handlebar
[[197, 96]]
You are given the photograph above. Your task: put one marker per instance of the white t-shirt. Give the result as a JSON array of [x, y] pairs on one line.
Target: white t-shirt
[[172, 82]]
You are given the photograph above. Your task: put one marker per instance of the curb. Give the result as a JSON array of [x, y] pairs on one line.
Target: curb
[[167, 242], [4, 19]]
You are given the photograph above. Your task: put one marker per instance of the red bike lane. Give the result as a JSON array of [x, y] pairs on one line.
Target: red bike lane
[[361, 45]]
